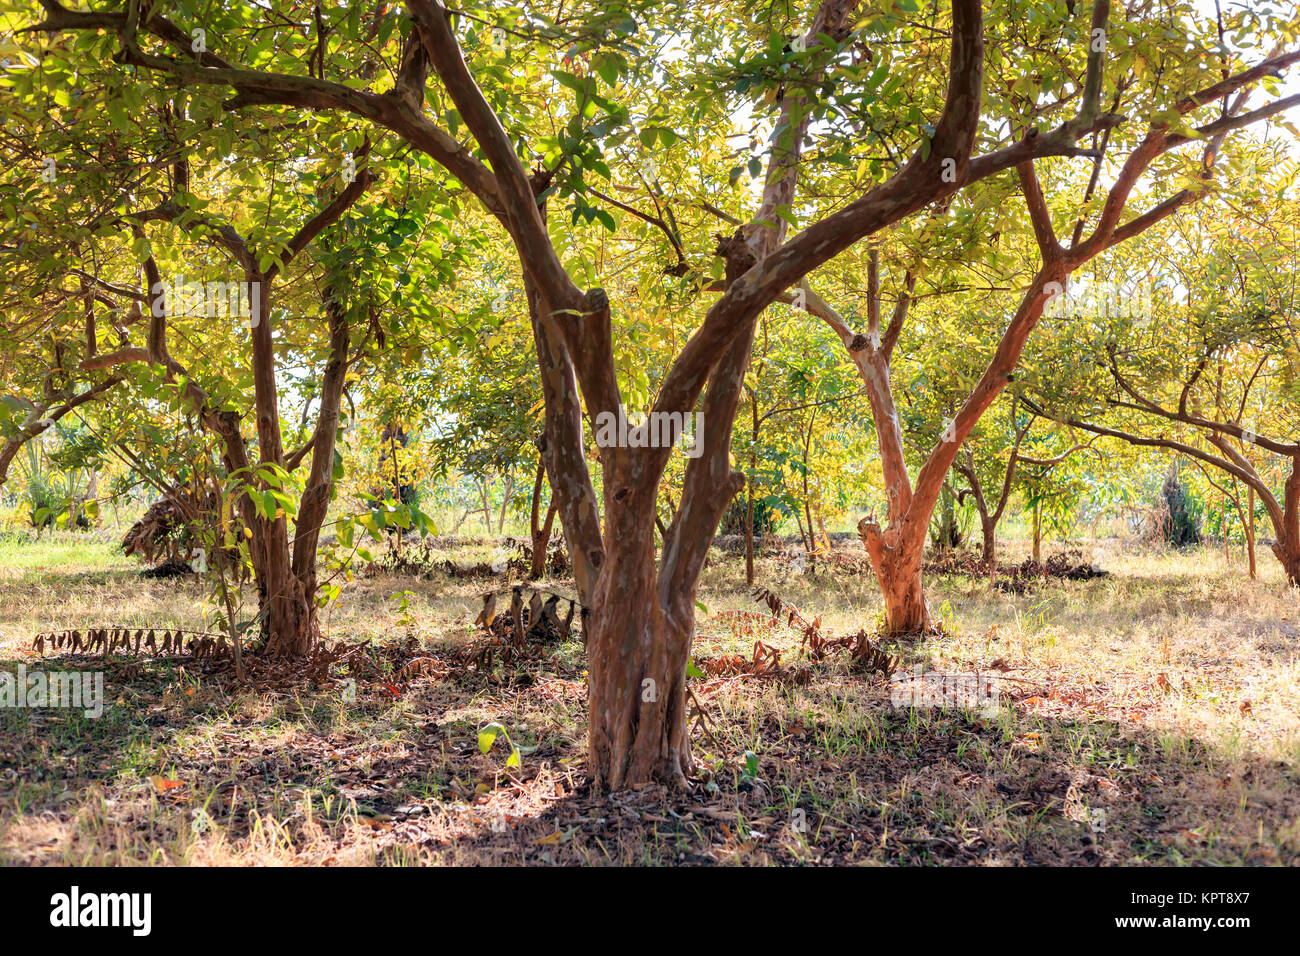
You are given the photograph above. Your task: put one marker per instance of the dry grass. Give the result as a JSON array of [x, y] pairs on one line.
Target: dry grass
[[1160, 701]]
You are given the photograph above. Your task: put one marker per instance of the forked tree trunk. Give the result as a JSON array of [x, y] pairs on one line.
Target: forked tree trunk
[[290, 625], [637, 657], [990, 512], [898, 569], [286, 581], [642, 616], [897, 552]]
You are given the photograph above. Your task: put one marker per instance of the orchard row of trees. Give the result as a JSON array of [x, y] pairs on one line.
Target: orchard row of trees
[[950, 245]]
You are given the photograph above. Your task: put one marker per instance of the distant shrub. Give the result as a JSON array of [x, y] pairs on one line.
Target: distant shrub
[[1178, 512], [767, 519]]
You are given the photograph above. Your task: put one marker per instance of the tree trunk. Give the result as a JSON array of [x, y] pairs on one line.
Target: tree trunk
[[292, 625], [749, 486], [898, 569], [636, 657], [811, 546], [906, 611], [643, 618], [807, 510], [1227, 552], [1250, 529], [297, 629], [948, 537], [487, 505], [1038, 535], [288, 613], [749, 529], [505, 503], [540, 531], [1288, 553], [989, 527], [1287, 547]]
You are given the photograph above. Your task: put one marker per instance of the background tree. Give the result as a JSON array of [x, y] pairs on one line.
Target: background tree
[[1213, 375], [896, 549]]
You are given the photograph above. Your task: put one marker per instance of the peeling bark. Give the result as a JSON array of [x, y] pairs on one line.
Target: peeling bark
[[898, 570]]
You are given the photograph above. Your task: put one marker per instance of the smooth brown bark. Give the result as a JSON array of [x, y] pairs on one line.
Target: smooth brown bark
[[988, 531], [539, 530], [1250, 530], [637, 659], [896, 551], [898, 570]]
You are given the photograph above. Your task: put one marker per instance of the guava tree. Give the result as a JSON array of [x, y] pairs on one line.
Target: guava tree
[[196, 239], [1094, 219], [1007, 456], [1214, 374], [799, 432], [470, 91]]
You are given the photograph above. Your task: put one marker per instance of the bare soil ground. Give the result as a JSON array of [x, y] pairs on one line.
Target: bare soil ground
[[1148, 716]]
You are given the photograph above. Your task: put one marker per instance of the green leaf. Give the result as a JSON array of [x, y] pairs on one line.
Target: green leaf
[[487, 736], [607, 67]]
